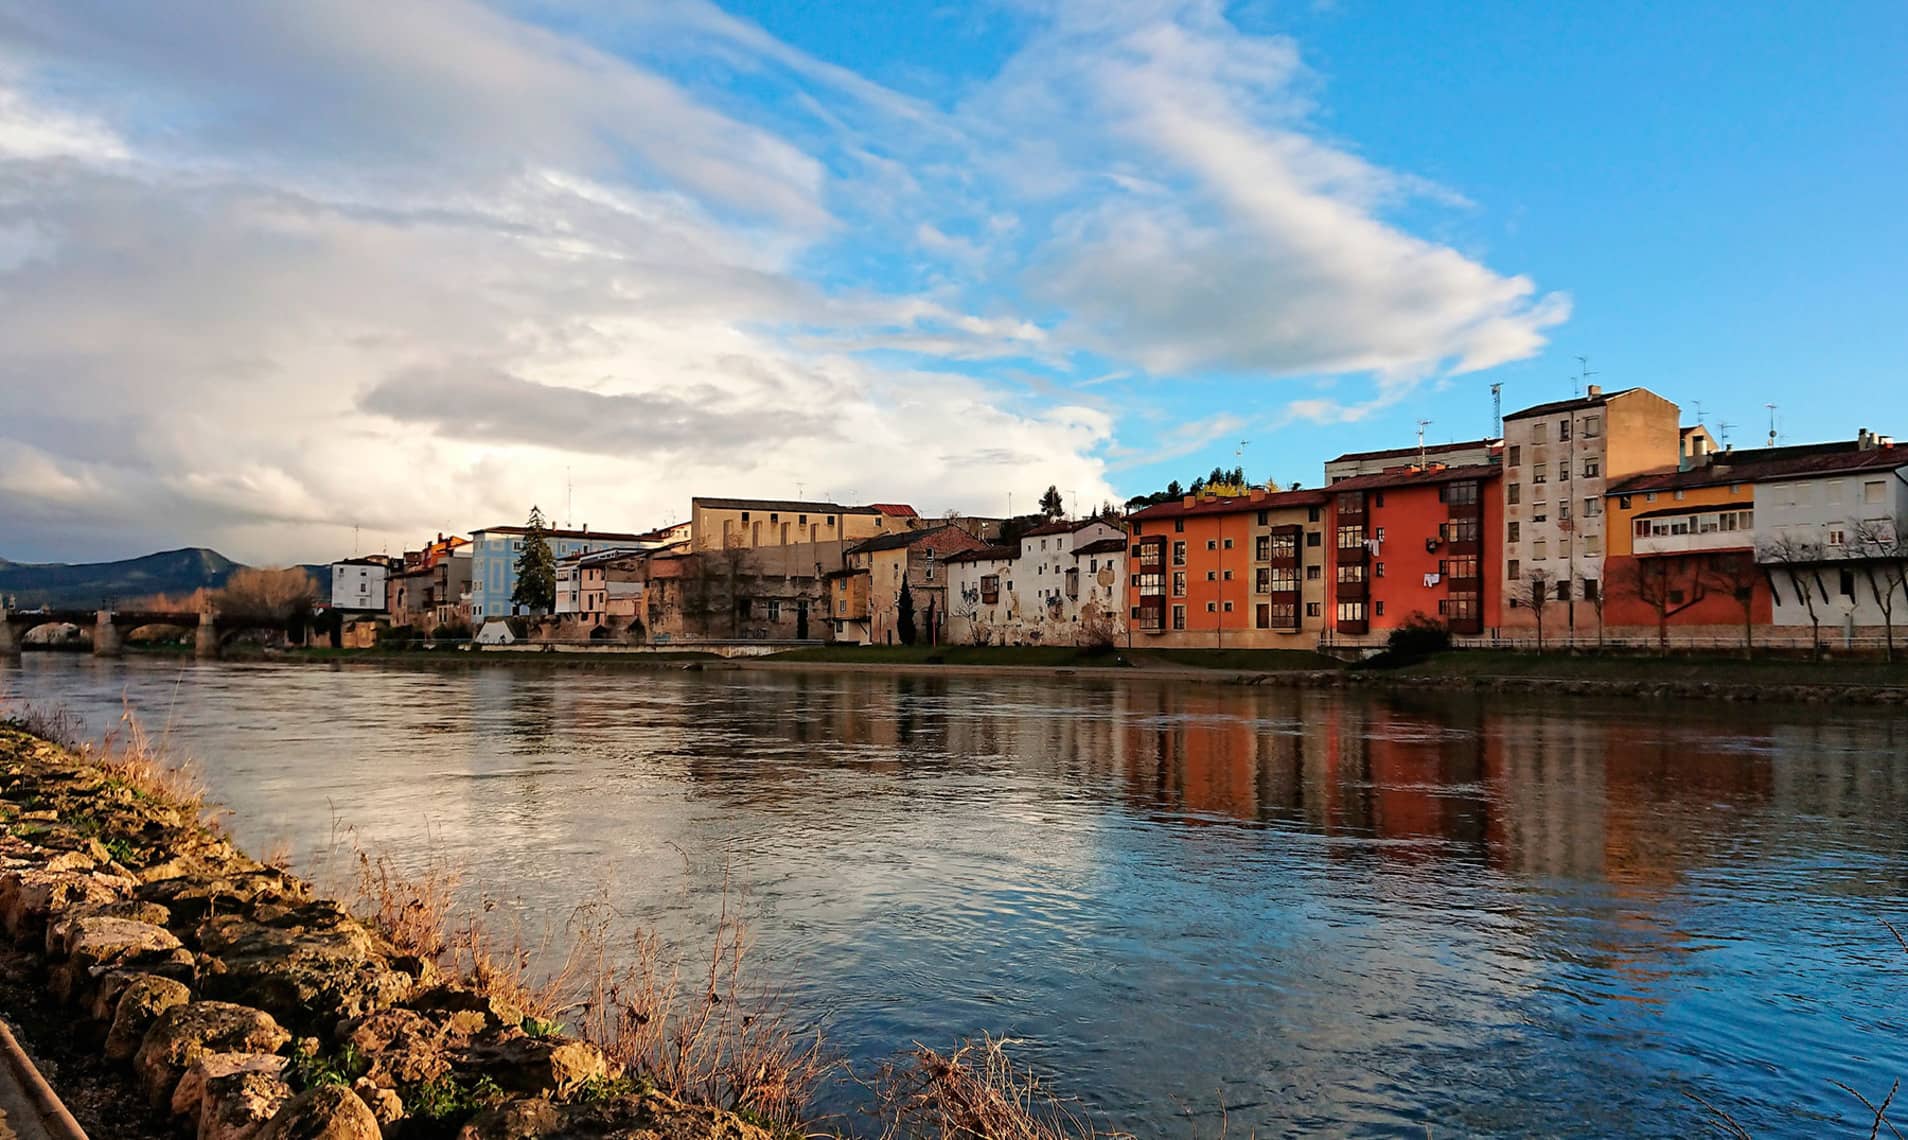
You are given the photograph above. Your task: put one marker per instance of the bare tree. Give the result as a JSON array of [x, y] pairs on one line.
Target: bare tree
[[1595, 593], [1884, 551], [1801, 561], [1537, 592], [274, 597], [1650, 581], [1736, 575]]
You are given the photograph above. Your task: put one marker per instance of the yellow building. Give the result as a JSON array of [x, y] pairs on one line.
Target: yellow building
[[743, 524], [1681, 560]]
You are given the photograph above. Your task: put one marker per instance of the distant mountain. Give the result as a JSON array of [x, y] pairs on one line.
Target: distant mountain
[[81, 585]]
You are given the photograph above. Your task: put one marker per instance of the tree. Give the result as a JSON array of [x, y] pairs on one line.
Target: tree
[[904, 615], [1801, 561], [1109, 512], [1648, 580], [1736, 575], [536, 568], [1537, 591], [1884, 551], [267, 597], [1051, 504], [1594, 593], [1174, 490]]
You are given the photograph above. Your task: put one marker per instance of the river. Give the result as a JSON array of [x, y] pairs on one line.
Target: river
[[1293, 912]]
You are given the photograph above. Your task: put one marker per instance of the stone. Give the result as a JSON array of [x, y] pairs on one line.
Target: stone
[[184, 1033], [58, 936], [385, 1104], [332, 1112], [97, 944], [141, 998], [238, 1106], [404, 1047], [192, 897], [517, 1120], [190, 1092], [533, 1065], [29, 898], [310, 965]]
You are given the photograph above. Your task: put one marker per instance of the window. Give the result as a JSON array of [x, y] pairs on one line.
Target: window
[[1212, 607], [1378, 534], [1593, 545], [1676, 597], [1515, 529], [1212, 544], [1179, 583], [1539, 475], [1179, 526], [1592, 426], [774, 610], [990, 587], [1314, 573], [1592, 507], [1351, 611], [1228, 607], [1540, 549], [1311, 514], [1514, 494], [1513, 570], [1379, 570], [1516, 456], [1563, 471], [1378, 608], [1590, 588], [1228, 575], [1228, 544], [1563, 512], [1212, 575], [1280, 580], [1314, 609], [1848, 583], [745, 518], [1262, 616], [1538, 433], [1563, 429], [1179, 617], [1262, 548], [1465, 568], [1138, 529], [1874, 490], [1592, 468], [1837, 537], [1378, 500], [1314, 539], [1563, 590], [1351, 537], [1351, 572], [1179, 553], [1623, 501]]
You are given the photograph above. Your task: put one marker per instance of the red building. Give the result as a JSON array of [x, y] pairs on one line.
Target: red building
[[1239, 571], [1414, 542]]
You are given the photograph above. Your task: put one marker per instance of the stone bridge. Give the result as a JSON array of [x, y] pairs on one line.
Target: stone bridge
[[109, 628]]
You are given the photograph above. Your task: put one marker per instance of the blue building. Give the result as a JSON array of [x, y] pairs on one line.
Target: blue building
[[493, 562]]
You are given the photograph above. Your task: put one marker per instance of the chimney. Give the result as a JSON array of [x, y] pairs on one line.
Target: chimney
[[1188, 501], [1595, 390], [1864, 440], [1257, 494]]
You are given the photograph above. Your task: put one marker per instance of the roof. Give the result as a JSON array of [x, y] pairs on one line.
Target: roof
[[1230, 505], [898, 540], [896, 510], [1413, 452], [367, 560], [1687, 509], [1571, 405], [556, 532], [819, 508], [986, 554], [1063, 526], [1772, 465], [1103, 546], [1807, 466], [1424, 478], [591, 557]]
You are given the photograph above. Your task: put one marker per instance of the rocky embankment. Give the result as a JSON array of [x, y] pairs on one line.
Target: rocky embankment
[[1640, 688], [242, 1004]]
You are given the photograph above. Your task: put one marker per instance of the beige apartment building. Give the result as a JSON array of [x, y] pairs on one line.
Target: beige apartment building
[[1558, 458], [745, 524]]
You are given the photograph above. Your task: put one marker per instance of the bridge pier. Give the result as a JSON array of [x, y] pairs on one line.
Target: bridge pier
[[106, 639], [205, 643], [9, 643]]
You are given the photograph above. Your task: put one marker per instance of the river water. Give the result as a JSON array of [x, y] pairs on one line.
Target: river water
[[1289, 913]]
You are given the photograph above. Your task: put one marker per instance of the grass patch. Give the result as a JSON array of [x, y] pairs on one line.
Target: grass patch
[[1698, 668], [1260, 660], [1043, 656]]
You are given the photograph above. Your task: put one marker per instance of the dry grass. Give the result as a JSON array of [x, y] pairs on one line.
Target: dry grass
[[129, 755], [975, 1092]]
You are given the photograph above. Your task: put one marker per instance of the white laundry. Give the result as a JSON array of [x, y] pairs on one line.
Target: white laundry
[[1432, 579]]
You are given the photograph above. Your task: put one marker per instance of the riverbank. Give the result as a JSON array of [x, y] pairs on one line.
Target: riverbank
[[233, 1000]]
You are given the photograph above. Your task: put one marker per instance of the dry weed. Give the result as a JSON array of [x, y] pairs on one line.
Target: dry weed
[[975, 1092]]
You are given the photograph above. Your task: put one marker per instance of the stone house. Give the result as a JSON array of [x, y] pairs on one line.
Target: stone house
[[1062, 585], [728, 524], [864, 600], [767, 593]]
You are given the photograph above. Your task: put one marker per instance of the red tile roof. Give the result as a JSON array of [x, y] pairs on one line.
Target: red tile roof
[[1428, 477], [1750, 467], [896, 510], [1412, 452]]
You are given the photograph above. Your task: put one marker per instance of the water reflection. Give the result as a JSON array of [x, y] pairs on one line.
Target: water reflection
[[1324, 911]]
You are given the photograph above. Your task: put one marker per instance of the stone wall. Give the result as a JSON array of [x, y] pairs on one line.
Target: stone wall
[[243, 1004]]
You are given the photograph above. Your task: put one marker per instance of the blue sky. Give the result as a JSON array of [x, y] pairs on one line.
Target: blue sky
[[343, 270]]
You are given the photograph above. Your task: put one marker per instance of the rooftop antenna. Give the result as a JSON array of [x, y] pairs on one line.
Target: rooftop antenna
[[1698, 405], [1422, 424], [1497, 411], [1772, 422], [1725, 425], [1238, 456], [1073, 497], [569, 499], [1583, 375], [354, 540], [801, 489]]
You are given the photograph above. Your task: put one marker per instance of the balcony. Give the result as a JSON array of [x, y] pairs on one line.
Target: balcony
[[1658, 545]]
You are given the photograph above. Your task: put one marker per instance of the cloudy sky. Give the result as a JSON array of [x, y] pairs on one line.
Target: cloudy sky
[[275, 275]]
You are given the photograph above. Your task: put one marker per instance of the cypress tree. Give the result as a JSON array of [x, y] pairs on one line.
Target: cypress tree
[[536, 568]]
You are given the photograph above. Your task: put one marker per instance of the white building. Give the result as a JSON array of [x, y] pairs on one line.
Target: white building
[[1833, 531], [493, 562], [358, 584], [1063, 581]]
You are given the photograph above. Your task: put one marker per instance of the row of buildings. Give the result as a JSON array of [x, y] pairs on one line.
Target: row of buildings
[[1598, 517]]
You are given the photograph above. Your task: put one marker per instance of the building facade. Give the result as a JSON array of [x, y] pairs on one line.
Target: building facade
[[1834, 539], [1681, 559], [493, 566], [358, 584], [729, 524], [1469, 453], [1414, 546], [865, 601], [1559, 458], [1062, 585], [1242, 571]]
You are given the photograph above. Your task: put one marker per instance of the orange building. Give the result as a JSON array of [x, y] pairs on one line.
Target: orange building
[[1415, 542], [1240, 571], [1682, 555]]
